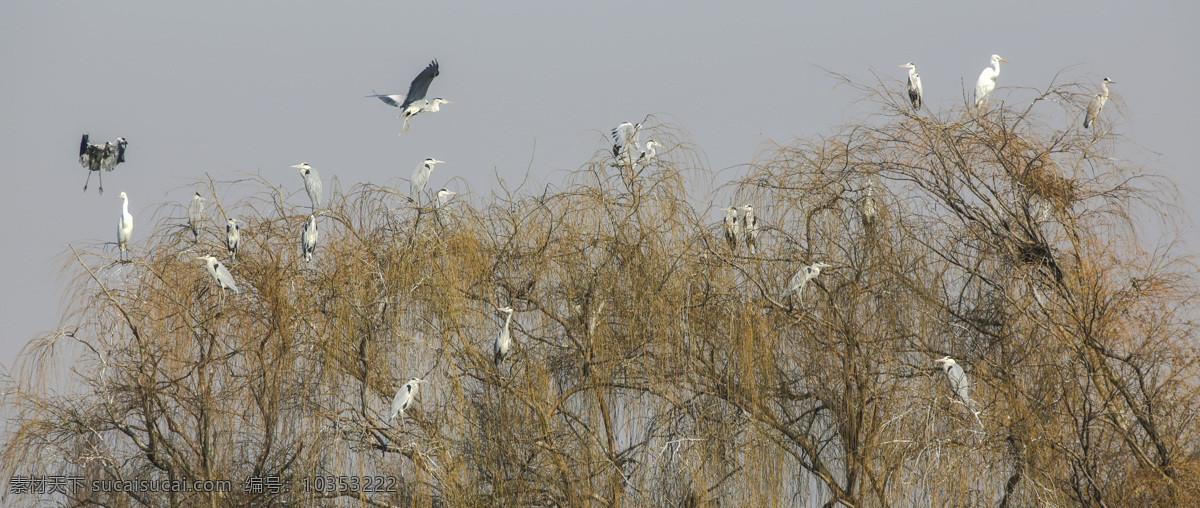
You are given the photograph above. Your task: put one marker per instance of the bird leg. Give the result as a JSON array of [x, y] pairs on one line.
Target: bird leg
[[99, 175], [86, 182]]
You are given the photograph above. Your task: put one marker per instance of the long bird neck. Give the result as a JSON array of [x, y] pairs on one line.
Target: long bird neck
[[125, 206], [995, 68], [1104, 89], [912, 74], [507, 319]]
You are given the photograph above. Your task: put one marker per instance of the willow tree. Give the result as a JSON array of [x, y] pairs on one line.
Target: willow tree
[[652, 364]]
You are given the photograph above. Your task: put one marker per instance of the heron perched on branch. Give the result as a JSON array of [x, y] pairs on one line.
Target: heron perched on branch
[[219, 273], [1097, 104], [414, 102], [796, 285], [439, 204], [750, 227], [503, 337], [404, 398], [308, 238], [649, 152], [312, 184], [124, 226], [987, 81], [233, 237], [624, 136], [957, 379], [732, 228], [97, 157], [915, 93], [420, 177], [196, 214]]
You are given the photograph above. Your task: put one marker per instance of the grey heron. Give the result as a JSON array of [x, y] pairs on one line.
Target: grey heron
[[957, 379], [1097, 104], [868, 209], [233, 237], [413, 103], [98, 157], [802, 277], [915, 93], [624, 136], [750, 227], [125, 225], [404, 398], [312, 184], [219, 273], [420, 177], [503, 337], [649, 152], [196, 214], [308, 238], [443, 197], [732, 228], [987, 81]]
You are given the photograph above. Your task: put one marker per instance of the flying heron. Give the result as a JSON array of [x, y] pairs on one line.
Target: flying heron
[[97, 157], [414, 102]]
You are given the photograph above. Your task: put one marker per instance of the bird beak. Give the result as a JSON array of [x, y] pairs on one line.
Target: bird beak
[[438, 161], [296, 166], [1003, 60], [449, 102]]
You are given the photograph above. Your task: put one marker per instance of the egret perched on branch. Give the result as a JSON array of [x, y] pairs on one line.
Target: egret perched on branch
[[414, 102], [624, 136], [987, 81], [957, 379], [803, 276], [503, 337], [312, 184], [649, 153], [97, 157], [125, 225], [750, 226], [233, 237], [219, 273], [404, 398], [1097, 103], [915, 94], [196, 214], [420, 177], [308, 238], [731, 227]]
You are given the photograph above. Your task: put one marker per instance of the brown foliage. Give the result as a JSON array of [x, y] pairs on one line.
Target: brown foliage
[[651, 365]]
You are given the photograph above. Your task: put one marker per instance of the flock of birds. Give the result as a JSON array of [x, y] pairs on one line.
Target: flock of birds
[[97, 157]]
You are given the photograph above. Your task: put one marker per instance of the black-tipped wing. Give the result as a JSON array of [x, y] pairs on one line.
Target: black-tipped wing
[[121, 144], [420, 84], [83, 145]]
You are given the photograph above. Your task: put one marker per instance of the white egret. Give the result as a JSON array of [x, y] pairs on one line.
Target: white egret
[[957, 379], [196, 214], [803, 276], [503, 337], [915, 93], [731, 228], [97, 157], [233, 237], [312, 184], [987, 81], [219, 273], [125, 225], [420, 177], [624, 136], [404, 398], [1097, 103], [414, 102], [750, 226], [308, 238], [649, 153]]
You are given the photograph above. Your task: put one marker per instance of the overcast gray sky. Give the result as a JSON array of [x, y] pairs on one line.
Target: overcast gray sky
[[235, 88]]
